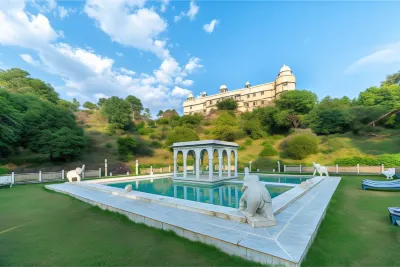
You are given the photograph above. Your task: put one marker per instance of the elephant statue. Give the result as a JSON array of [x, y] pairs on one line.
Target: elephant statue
[[75, 174], [320, 169], [258, 202]]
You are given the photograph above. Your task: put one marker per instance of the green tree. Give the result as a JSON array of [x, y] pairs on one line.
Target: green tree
[[101, 101], [160, 113], [300, 146], [76, 104], [135, 102], [117, 110], [191, 120], [126, 147], [391, 79], [227, 127], [329, 120], [89, 105], [227, 104], [181, 134], [19, 81], [386, 95], [67, 104], [147, 113]]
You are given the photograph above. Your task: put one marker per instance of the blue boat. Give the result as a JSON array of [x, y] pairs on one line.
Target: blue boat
[[381, 185], [394, 214]]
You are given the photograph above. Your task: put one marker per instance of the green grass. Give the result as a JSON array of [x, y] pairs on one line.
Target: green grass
[[356, 230], [38, 227]]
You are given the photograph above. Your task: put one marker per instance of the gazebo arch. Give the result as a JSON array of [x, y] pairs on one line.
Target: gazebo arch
[[210, 146]]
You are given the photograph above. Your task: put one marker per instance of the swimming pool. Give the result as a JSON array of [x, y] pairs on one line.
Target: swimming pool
[[279, 179], [226, 194]]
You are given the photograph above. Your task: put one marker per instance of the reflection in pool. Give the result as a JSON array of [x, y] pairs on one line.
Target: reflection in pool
[[227, 194]]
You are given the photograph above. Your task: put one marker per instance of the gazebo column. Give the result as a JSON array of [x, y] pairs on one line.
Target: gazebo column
[[236, 162], [175, 167], [229, 162], [210, 168], [197, 166], [220, 165], [184, 165]]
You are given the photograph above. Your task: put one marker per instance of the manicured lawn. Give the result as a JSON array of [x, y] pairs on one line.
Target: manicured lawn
[[356, 230], [38, 227]]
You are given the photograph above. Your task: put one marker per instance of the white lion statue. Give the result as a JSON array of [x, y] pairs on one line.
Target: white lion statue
[[75, 174], [320, 169], [258, 201]]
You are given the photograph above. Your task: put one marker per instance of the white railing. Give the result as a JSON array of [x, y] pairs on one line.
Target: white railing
[[339, 169]]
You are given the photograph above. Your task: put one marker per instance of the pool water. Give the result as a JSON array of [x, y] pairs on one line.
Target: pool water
[[227, 194], [279, 179]]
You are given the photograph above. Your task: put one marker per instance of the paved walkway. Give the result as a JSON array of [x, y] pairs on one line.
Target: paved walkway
[[286, 243]]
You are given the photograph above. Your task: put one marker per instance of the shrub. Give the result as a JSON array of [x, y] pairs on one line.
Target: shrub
[[265, 164], [145, 131], [225, 133], [248, 142], [163, 121], [115, 128], [301, 145], [156, 135], [108, 145], [389, 160], [227, 104], [155, 144], [181, 134], [193, 120], [253, 128], [142, 148], [126, 146], [207, 123], [151, 123], [3, 170], [206, 131], [268, 150]]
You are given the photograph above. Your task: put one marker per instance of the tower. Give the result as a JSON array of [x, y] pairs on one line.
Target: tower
[[223, 88], [190, 97], [285, 81]]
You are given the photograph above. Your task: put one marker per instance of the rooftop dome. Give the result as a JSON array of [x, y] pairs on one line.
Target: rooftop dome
[[223, 87], [285, 68], [247, 83], [204, 93], [190, 96]]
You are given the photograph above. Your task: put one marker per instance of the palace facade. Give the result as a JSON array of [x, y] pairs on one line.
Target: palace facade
[[248, 98]]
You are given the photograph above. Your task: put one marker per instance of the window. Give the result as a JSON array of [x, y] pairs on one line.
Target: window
[[210, 102], [262, 93], [204, 104], [248, 96], [190, 107], [254, 95], [262, 102], [254, 103]]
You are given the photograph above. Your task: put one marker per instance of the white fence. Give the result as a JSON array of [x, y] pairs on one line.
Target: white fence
[[339, 169]]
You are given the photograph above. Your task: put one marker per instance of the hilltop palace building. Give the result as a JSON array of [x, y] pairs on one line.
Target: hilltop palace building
[[248, 98]]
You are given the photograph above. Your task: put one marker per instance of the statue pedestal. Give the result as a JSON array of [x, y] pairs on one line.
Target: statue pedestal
[[257, 220]]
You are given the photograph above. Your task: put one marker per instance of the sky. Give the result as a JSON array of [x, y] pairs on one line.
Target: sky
[[160, 51]]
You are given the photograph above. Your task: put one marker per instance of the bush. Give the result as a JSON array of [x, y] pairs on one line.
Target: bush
[[3, 170], [253, 128], [151, 123], [265, 164], [155, 144], [192, 120], [142, 148], [145, 131], [126, 146], [108, 145], [268, 150], [207, 123], [206, 131], [163, 121], [248, 142], [301, 145], [115, 128], [181, 134], [156, 135], [227, 104], [389, 160], [225, 133]]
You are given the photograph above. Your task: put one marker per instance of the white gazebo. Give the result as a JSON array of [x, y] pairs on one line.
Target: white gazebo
[[197, 150]]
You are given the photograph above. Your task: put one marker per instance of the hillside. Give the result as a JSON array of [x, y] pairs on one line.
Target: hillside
[[102, 145]]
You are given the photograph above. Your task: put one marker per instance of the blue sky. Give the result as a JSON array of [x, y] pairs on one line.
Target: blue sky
[[162, 50]]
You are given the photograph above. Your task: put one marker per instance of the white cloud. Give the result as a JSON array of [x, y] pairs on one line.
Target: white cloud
[[28, 59], [63, 12], [385, 55], [210, 27], [87, 75], [119, 54], [43, 6], [164, 5], [128, 22], [193, 64], [193, 10], [127, 72], [180, 92], [180, 80], [191, 13]]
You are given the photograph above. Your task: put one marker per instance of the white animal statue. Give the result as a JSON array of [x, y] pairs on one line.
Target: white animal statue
[[258, 201], [75, 174], [320, 169], [128, 188], [389, 173]]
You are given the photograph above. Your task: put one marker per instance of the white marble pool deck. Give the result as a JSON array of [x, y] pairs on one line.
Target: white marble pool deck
[[286, 243]]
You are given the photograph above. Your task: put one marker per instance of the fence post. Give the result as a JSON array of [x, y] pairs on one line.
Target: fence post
[[110, 173], [382, 168], [300, 168], [337, 168], [284, 168], [137, 167], [127, 173], [40, 176], [358, 168], [151, 170], [62, 174], [100, 172], [279, 166], [105, 167], [12, 178], [161, 169]]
